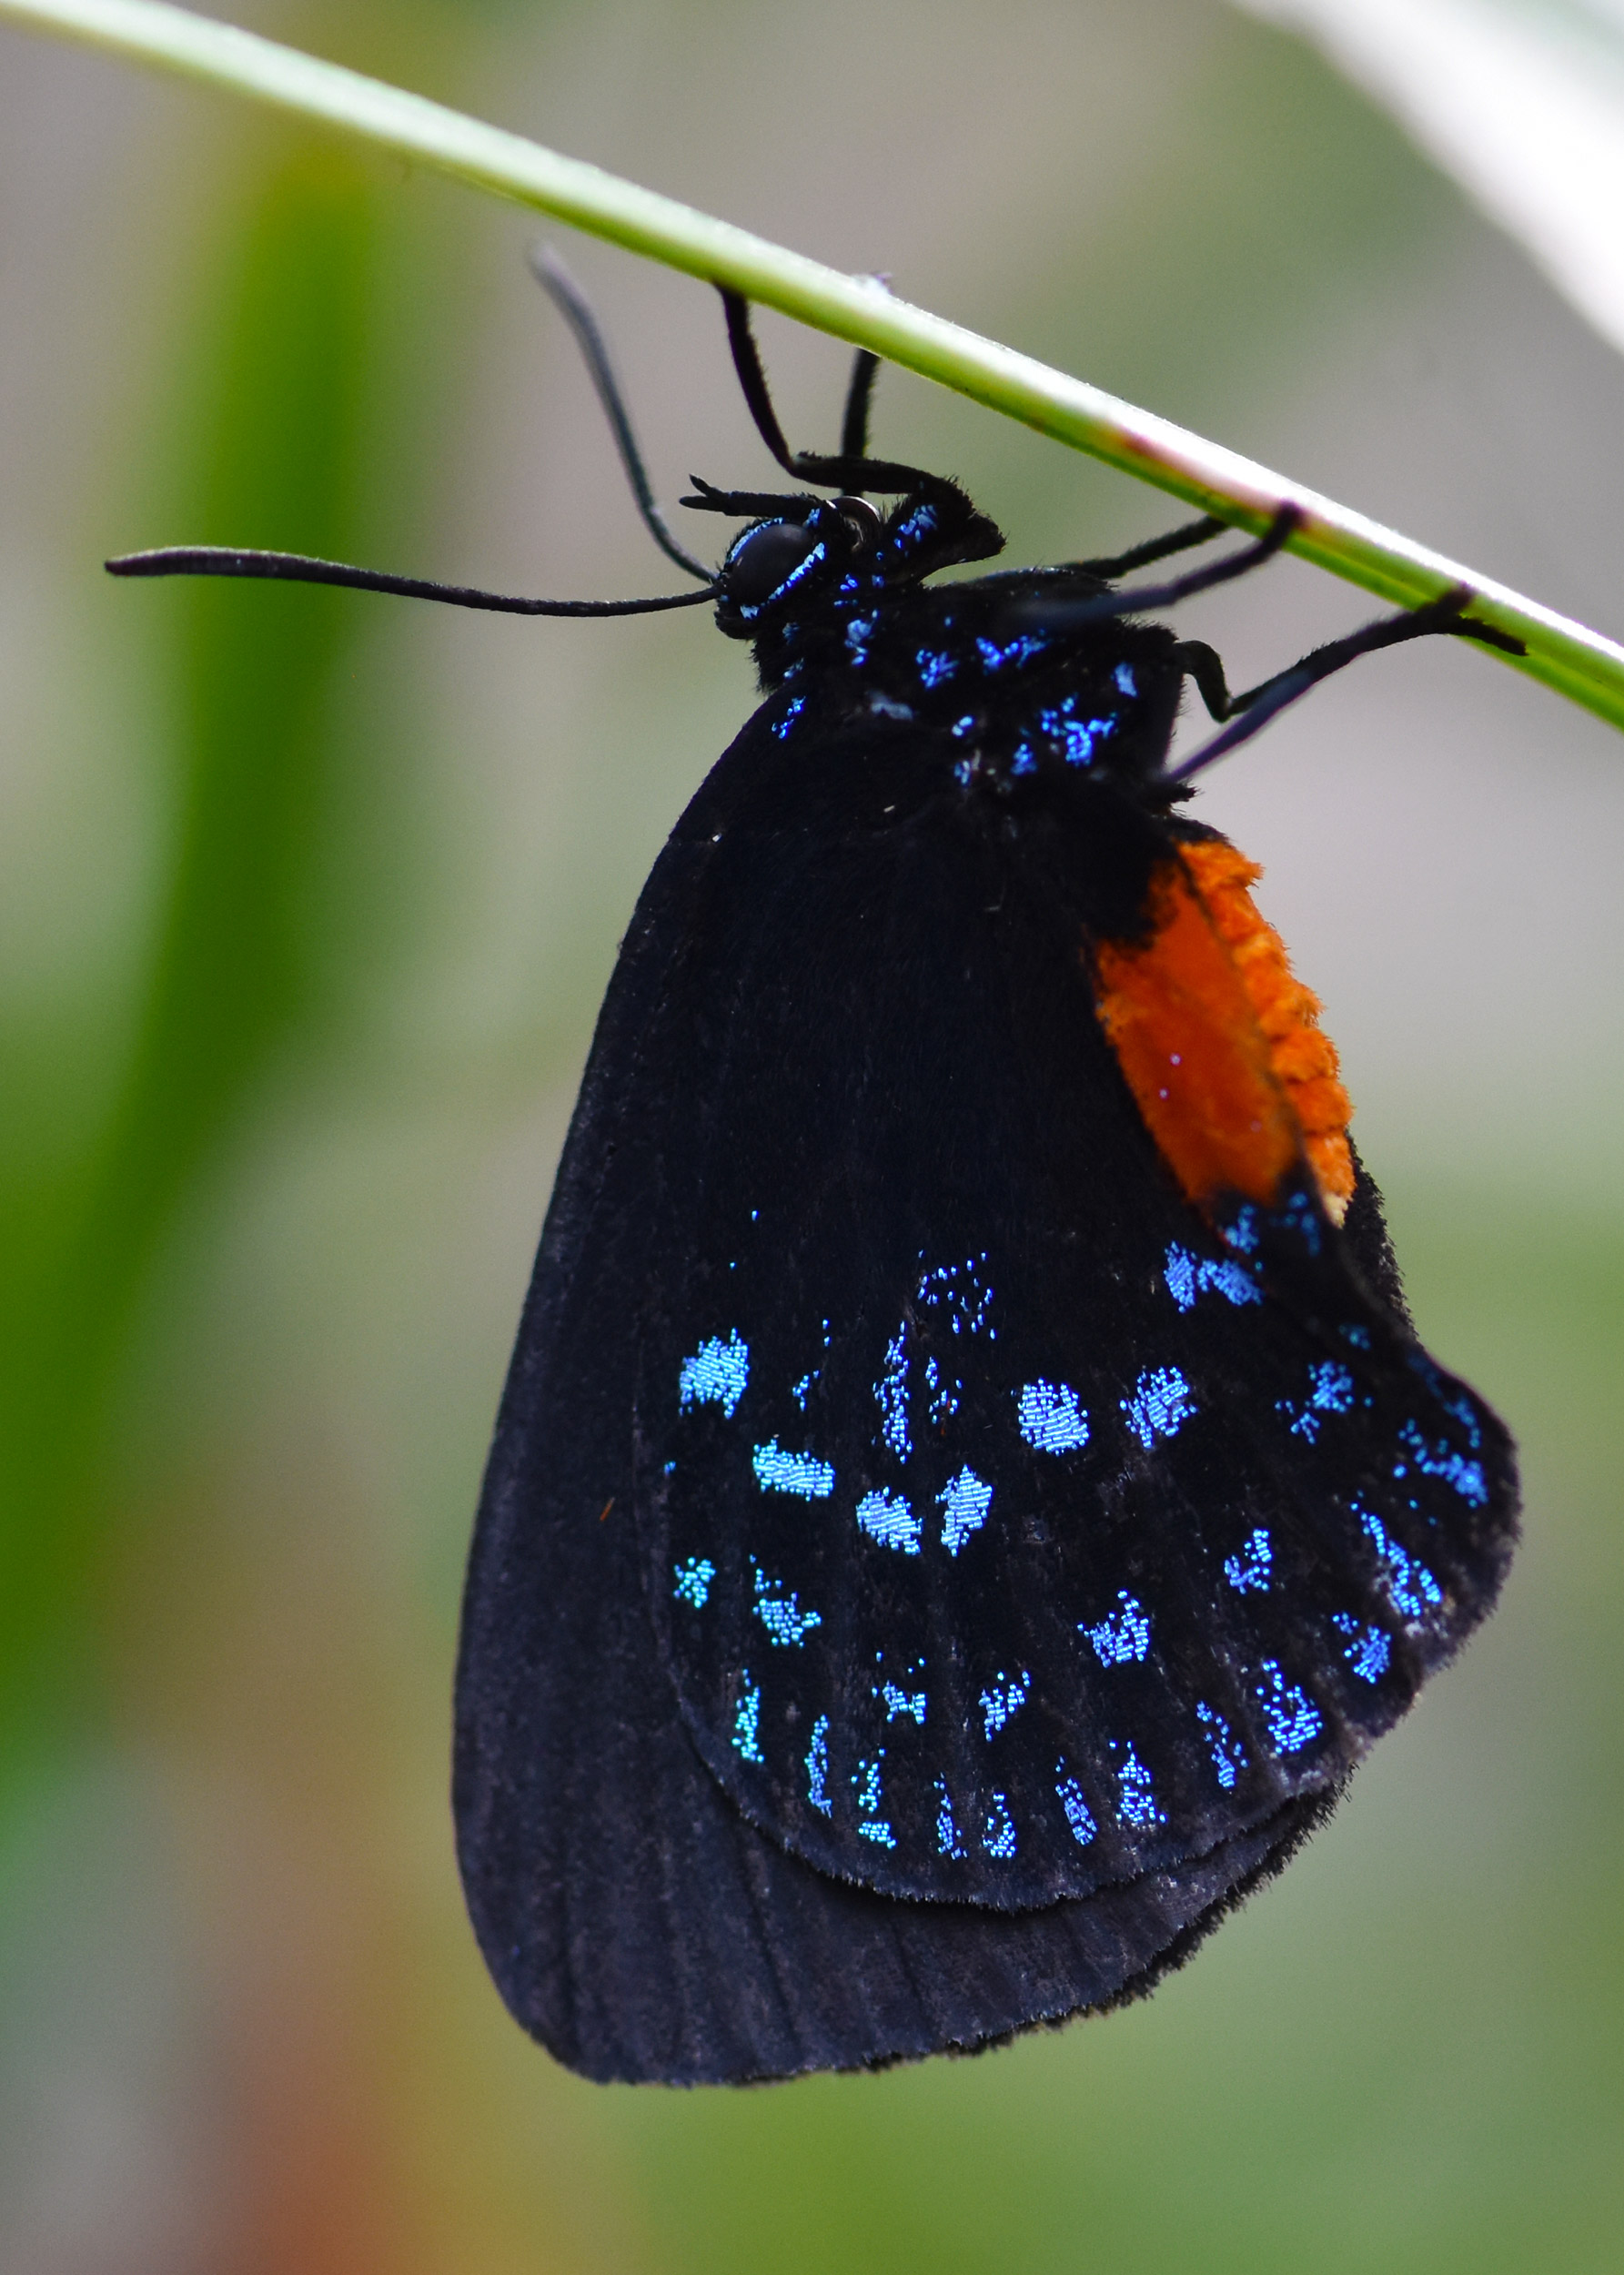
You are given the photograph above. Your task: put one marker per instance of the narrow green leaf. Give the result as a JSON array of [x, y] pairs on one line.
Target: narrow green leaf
[[275, 436]]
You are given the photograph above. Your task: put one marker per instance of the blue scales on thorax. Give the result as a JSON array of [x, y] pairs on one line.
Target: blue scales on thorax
[[1009, 671]]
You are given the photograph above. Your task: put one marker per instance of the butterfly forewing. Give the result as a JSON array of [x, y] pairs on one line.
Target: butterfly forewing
[[1006, 1532], [634, 1917]]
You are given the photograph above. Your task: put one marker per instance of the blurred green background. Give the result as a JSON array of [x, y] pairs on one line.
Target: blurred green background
[[307, 902]]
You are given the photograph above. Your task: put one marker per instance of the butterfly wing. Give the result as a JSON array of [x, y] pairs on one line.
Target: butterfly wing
[[634, 1920], [980, 1529]]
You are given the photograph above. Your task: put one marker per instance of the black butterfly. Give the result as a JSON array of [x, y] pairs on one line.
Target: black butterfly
[[968, 1490]]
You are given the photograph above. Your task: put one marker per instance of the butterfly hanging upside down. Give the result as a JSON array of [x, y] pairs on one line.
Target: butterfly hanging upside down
[[968, 1492]]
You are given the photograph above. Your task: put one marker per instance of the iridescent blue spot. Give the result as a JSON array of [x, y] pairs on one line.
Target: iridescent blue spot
[[1050, 1418], [1003, 1699], [1076, 737], [747, 1720], [995, 655], [1189, 1276], [1412, 1588], [779, 1612], [965, 1501], [817, 1766], [900, 1702], [1137, 1802], [1078, 1814], [1226, 1750], [1077, 743], [998, 1834], [1439, 1459], [870, 1823], [781, 1472], [1368, 1649], [1293, 1719], [1330, 1392], [1124, 679], [1301, 1217], [716, 1374], [1022, 761], [947, 1832], [1182, 1271], [888, 1519], [958, 1289], [1241, 1232], [1250, 1569], [1360, 1337], [1080, 736], [1460, 1406], [934, 666], [920, 523], [1161, 1405], [694, 1576], [792, 711], [944, 1394], [967, 725], [800, 1391], [891, 1393], [1123, 1635]]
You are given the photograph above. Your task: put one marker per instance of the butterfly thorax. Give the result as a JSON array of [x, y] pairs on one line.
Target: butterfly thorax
[[1017, 675]]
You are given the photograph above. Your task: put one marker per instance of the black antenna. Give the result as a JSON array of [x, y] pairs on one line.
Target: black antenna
[[572, 305], [231, 560], [234, 561]]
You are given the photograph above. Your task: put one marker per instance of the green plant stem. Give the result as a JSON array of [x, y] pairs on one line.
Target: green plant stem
[[1578, 663]]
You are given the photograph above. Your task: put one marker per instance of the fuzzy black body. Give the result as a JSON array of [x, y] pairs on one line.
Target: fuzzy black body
[[927, 1570]]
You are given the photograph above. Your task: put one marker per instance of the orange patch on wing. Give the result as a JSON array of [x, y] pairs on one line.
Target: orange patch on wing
[[1220, 1044]]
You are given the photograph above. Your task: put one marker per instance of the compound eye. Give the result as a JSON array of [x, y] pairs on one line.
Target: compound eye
[[763, 558]]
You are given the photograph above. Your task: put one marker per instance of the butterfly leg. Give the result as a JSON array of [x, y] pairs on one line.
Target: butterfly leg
[[1108, 567], [1256, 706], [1099, 607], [853, 433]]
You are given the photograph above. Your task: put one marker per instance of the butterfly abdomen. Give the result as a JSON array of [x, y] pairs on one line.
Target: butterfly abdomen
[[1220, 1043]]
